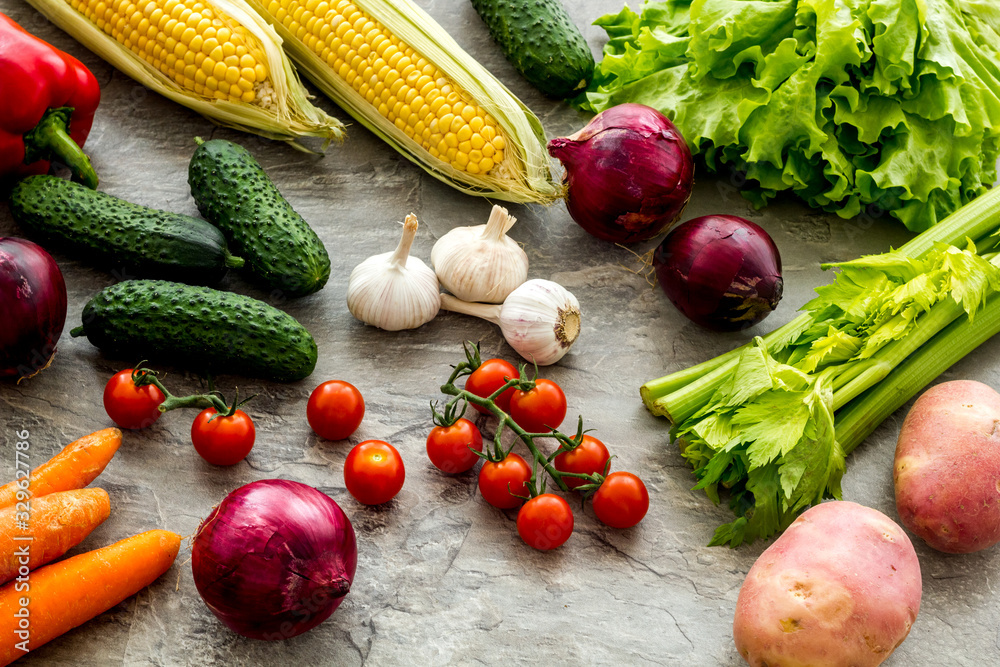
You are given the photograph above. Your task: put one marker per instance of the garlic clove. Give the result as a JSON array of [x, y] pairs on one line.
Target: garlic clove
[[481, 263], [540, 319], [394, 291]]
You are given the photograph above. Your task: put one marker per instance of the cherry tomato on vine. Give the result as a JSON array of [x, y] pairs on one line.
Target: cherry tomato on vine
[[335, 410], [621, 501], [588, 457], [448, 446], [373, 472], [130, 406], [545, 522], [224, 440], [490, 376], [540, 409], [498, 481]]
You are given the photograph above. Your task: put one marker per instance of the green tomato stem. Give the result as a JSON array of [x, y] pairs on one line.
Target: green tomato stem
[[144, 376], [505, 421]]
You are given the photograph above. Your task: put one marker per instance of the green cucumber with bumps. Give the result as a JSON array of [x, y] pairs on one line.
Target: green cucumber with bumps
[[233, 192], [198, 327], [121, 235], [541, 42]]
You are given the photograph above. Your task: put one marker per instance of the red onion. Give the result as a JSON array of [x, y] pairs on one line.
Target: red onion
[[274, 559], [629, 173], [32, 307], [721, 271]]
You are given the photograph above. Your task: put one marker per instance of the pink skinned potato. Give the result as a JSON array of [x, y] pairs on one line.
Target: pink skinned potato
[[840, 587], [947, 469]]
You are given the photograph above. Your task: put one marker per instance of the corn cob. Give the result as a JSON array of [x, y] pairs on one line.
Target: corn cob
[[398, 73], [213, 56]]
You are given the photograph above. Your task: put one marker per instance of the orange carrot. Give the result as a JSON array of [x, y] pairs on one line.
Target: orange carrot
[[55, 524], [58, 597], [76, 466]]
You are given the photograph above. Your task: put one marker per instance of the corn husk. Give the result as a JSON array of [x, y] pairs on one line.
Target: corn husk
[[528, 178], [292, 116]]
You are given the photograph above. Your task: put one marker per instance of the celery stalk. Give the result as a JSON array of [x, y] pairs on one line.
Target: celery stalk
[[770, 423], [679, 395], [860, 417]]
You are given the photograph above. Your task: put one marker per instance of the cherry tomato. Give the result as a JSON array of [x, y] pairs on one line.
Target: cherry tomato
[[374, 472], [130, 406], [621, 501], [490, 376], [448, 446], [540, 409], [335, 410], [545, 522], [223, 441], [588, 457], [498, 481]]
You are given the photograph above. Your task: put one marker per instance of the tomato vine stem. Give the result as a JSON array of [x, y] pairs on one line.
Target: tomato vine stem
[[213, 399], [498, 452]]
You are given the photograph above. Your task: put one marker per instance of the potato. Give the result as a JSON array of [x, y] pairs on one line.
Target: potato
[[841, 586], [947, 470]]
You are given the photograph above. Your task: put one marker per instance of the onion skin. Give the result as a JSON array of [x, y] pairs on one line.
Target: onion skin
[[722, 271], [32, 307], [629, 173], [274, 559]]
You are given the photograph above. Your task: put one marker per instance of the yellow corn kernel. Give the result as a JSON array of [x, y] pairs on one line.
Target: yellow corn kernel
[[188, 42], [403, 87]]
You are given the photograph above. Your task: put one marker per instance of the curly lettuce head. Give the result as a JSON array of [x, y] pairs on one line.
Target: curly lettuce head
[[852, 105]]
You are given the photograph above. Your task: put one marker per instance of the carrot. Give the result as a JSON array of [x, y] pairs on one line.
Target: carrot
[[69, 593], [76, 466], [56, 523]]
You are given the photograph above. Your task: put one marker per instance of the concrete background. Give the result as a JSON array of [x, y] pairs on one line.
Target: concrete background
[[442, 577]]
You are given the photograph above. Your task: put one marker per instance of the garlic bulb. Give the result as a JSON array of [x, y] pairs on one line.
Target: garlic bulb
[[394, 291], [540, 319], [481, 263]]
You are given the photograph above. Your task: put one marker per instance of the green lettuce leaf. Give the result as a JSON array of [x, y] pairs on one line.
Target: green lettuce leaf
[[855, 106]]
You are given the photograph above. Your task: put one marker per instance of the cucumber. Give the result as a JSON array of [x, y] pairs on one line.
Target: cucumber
[[541, 42], [198, 327], [233, 192], [123, 236]]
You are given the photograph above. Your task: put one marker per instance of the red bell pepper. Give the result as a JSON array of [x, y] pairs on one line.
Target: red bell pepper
[[47, 104]]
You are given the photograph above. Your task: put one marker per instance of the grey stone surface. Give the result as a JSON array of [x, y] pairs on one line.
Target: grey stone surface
[[442, 577]]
